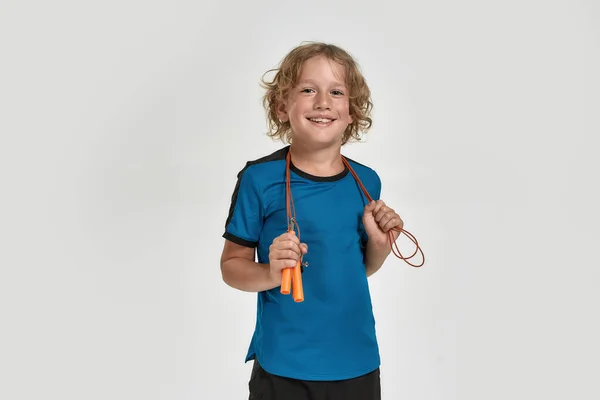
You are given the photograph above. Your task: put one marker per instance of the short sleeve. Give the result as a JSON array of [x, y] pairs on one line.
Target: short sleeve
[[374, 188], [245, 219], [376, 194]]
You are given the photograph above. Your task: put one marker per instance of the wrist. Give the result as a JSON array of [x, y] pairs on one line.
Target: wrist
[[378, 247], [273, 278], [375, 255]]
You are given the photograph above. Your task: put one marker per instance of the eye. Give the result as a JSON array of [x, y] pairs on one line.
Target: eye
[[337, 93], [306, 90]]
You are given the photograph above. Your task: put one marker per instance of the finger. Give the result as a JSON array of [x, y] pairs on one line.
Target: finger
[[371, 206], [375, 206], [304, 248], [291, 235], [379, 214], [287, 236], [279, 265], [380, 209], [281, 254], [382, 222], [393, 222], [387, 225], [288, 254], [384, 212], [287, 244]]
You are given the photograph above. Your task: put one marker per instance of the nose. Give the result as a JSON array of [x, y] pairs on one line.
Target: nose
[[322, 101]]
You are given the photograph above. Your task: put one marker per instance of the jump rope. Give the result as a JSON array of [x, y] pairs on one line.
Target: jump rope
[[291, 278]]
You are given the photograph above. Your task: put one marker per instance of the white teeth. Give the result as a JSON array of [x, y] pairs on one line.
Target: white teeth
[[320, 120]]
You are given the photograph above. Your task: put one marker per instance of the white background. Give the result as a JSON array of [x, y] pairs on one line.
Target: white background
[[125, 122]]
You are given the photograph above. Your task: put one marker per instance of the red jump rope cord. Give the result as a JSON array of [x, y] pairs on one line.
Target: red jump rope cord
[[393, 243], [291, 280]]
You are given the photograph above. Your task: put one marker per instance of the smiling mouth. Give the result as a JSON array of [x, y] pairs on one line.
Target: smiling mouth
[[321, 121]]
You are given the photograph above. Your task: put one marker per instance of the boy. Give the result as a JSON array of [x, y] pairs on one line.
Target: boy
[[324, 347]]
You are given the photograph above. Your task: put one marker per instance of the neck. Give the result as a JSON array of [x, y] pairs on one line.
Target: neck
[[325, 161]]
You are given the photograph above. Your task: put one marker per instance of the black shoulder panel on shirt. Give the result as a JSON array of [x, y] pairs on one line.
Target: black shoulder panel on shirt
[[275, 156], [357, 163]]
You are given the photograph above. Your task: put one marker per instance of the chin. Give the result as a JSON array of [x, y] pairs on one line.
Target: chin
[[318, 140], [319, 134]]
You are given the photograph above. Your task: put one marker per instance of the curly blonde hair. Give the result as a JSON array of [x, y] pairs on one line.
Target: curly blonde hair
[[286, 77]]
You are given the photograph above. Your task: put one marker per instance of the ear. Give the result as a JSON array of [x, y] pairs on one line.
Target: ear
[[282, 111]]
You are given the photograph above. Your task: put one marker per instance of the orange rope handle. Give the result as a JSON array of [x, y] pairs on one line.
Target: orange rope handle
[[291, 278], [297, 289], [286, 281]]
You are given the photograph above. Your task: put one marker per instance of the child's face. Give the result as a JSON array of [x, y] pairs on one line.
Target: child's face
[[318, 106]]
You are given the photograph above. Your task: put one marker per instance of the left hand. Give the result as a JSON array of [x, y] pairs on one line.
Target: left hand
[[378, 219]]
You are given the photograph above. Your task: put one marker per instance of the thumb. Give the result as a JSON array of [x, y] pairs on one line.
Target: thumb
[[371, 206], [304, 248]]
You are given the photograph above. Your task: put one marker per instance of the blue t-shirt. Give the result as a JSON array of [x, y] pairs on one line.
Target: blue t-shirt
[[331, 334]]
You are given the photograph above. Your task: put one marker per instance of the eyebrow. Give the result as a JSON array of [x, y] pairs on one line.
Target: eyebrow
[[335, 83]]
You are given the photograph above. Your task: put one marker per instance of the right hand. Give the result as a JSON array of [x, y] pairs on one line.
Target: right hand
[[284, 252]]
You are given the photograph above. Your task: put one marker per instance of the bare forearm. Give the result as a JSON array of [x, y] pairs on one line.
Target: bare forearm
[[375, 256], [246, 275]]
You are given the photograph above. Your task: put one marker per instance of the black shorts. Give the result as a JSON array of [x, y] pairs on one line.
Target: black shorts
[[266, 386]]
